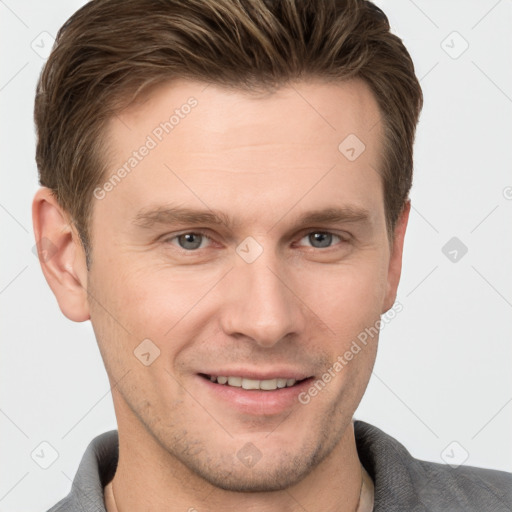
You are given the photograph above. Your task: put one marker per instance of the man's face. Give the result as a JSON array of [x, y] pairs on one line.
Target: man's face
[[260, 296]]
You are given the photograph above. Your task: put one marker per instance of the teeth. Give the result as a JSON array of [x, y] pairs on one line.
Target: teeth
[[250, 384], [281, 383], [242, 382], [235, 381], [268, 385]]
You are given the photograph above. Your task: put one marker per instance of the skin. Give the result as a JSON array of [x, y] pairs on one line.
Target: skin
[[262, 160]]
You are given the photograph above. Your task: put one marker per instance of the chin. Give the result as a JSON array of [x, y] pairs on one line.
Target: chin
[[274, 477], [280, 471]]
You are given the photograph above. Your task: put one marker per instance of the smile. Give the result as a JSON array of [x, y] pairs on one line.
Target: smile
[[248, 384]]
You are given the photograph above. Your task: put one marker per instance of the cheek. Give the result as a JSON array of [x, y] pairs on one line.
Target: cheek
[[125, 310], [346, 297], [154, 302], [135, 314], [150, 299]]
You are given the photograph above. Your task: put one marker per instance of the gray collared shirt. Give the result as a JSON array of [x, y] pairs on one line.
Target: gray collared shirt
[[402, 483]]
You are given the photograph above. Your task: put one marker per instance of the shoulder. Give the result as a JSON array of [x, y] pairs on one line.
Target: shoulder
[[403, 482], [96, 469], [465, 488]]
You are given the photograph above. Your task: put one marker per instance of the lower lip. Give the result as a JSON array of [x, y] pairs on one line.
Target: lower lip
[[256, 402]]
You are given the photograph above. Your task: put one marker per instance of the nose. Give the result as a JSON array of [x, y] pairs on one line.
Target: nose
[[260, 302]]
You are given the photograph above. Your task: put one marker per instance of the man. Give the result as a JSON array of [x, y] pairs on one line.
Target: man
[[225, 195]]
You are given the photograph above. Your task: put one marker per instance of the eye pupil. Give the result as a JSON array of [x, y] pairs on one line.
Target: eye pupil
[[324, 239], [186, 240]]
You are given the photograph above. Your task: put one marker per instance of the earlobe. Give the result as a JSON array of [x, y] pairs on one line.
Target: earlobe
[[61, 255], [395, 259]]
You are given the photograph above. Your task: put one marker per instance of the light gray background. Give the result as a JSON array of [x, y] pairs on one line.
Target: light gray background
[[443, 369]]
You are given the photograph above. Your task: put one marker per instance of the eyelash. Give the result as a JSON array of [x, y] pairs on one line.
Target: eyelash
[[169, 240]]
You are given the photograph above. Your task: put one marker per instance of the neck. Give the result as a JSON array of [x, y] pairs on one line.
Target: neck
[[146, 471]]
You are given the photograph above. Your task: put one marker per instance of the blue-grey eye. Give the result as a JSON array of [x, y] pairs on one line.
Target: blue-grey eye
[[190, 241], [320, 239]]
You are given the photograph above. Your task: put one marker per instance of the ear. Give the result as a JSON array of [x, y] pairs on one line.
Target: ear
[[61, 255], [395, 259]]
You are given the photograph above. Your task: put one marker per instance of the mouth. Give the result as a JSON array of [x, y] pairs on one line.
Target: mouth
[[257, 393], [254, 384]]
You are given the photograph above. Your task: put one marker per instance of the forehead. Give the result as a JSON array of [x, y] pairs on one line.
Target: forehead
[[209, 144], [328, 111]]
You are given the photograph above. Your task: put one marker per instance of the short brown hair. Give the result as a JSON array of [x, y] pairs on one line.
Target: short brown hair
[[110, 51]]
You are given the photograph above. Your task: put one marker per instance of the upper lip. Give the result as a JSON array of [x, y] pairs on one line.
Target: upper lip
[[248, 373]]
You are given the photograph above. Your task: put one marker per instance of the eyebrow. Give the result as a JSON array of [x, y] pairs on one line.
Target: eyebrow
[[169, 215]]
